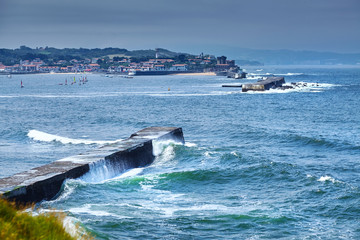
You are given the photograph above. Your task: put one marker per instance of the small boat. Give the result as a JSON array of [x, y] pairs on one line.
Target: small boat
[[127, 76], [21, 85]]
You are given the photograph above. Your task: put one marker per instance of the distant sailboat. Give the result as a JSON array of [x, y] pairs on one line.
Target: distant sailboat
[[64, 83], [21, 84]]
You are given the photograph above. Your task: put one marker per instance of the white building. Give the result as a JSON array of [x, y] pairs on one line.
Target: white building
[[179, 67]]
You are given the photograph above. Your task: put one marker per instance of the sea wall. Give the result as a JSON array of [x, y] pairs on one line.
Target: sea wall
[[45, 182], [270, 82], [151, 73]]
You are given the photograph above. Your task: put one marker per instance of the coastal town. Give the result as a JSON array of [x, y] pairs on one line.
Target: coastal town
[[158, 64]]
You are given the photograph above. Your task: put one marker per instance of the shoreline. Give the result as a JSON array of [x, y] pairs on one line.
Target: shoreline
[[195, 74], [39, 73], [120, 74]]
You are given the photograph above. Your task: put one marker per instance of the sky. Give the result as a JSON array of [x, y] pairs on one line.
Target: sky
[[188, 25]]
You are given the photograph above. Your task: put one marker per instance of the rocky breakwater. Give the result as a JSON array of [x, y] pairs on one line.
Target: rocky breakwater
[[45, 182], [266, 84]]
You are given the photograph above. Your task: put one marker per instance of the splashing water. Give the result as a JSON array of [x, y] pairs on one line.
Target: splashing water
[[46, 137]]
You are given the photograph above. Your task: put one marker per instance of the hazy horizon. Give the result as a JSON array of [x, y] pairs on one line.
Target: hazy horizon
[[174, 50], [186, 26]]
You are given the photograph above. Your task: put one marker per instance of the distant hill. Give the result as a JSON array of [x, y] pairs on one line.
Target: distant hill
[[13, 56]]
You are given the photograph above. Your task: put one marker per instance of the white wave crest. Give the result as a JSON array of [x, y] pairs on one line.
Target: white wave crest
[[46, 137], [102, 171], [252, 77], [164, 152], [89, 210], [209, 154], [213, 93], [235, 154], [327, 179], [159, 146], [97, 210], [190, 144], [290, 74], [69, 188], [127, 174], [297, 87]]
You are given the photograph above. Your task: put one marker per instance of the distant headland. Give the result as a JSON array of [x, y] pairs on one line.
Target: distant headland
[[110, 60]]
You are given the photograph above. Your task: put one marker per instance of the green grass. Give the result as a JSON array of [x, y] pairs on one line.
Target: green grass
[[17, 224]]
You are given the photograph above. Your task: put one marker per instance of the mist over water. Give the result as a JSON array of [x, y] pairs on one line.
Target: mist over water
[[280, 164]]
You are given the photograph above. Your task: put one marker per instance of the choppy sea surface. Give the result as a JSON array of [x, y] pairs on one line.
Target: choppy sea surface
[[282, 164]]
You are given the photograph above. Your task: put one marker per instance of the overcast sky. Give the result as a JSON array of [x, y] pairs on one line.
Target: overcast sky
[[186, 25]]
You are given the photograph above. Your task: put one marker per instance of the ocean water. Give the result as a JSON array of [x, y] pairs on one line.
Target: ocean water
[[273, 165]]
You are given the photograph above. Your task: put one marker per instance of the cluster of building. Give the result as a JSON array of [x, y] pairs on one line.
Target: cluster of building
[[39, 66], [150, 65], [125, 65]]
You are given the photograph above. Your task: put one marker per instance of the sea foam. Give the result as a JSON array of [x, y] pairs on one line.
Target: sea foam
[[290, 74], [327, 179], [46, 137], [299, 87]]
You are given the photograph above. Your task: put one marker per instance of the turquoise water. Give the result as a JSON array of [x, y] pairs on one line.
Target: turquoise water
[[281, 164]]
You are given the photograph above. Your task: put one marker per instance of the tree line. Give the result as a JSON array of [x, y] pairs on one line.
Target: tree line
[[50, 55]]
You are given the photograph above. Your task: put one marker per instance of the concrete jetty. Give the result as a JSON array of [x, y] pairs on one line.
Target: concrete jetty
[[232, 85], [270, 82], [45, 182]]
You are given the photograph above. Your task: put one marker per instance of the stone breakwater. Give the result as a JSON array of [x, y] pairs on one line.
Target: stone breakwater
[[268, 83], [45, 182]]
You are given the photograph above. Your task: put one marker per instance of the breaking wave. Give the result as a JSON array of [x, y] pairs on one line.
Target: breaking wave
[[290, 74], [46, 137], [328, 179], [297, 87], [104, 170]]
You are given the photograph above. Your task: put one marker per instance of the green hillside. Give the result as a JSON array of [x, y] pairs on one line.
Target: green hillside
[[49, 54]]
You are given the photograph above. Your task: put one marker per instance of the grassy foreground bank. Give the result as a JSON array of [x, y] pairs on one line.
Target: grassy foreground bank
[[16, 224]]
